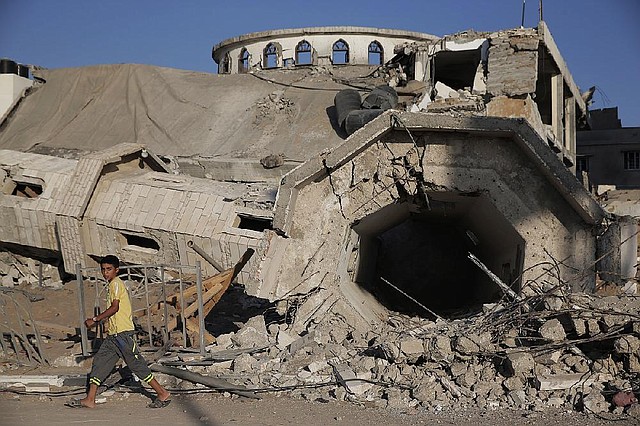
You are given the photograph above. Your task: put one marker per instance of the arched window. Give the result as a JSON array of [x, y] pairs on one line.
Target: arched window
[[271, 56], [225, 66], [340, 54], [303, 53], [243, 61], [376, 54]]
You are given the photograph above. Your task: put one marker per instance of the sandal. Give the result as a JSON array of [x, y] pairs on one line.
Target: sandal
[[156, 403], [75, 403]]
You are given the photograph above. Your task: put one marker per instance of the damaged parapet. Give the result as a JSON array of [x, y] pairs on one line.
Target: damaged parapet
[[304, 47]]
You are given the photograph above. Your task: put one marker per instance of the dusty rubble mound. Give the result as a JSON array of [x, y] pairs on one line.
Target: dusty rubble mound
[[550, 349]]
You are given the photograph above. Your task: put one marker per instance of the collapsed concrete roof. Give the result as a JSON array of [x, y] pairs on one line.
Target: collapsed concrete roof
[[173, 112], [123, 200]]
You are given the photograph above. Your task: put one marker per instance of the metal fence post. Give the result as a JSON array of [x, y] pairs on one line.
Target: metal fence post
[[164, 304], [200, 307], [83, 328]]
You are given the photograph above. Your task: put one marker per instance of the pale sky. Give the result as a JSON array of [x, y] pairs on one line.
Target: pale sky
[[599, 40]]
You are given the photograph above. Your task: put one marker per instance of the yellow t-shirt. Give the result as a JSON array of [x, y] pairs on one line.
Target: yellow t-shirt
[[121, 320]]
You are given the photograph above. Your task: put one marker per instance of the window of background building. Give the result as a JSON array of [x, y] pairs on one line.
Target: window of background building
[[225, 67], [376, 56], [632, 160], [340, 53], [582, 164], [303, 53], [271, 56], [243, 61]]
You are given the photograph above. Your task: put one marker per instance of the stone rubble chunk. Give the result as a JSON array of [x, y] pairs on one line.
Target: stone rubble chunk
[[253, 334], [633, 411], [555, 402], [411, 346], [225, 340], [301, 342], [518, 398], [283, 339], [316, 366], [520, 363], [579, 326], [7, 281], [465, 345], [566, 381], [594, 327], [595, 402], [424, 391], [349, 380], [548, 358], [483, 340], [243, 364], [454, 390], [513, 383], [552, 330], [439, 348], [632, 363], [627, 344]]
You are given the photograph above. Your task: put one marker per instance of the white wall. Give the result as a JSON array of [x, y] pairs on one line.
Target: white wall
[[12, 87]]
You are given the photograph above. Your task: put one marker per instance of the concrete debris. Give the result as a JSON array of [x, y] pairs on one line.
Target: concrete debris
[[414, 362], [583, 357], [595, 402], [272, 161], [552, 330], [16, 270]]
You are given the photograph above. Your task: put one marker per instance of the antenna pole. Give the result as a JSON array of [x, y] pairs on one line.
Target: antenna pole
[[540, 10], [524, 3]]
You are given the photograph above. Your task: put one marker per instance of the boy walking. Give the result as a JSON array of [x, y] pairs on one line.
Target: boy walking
[[120, 341]]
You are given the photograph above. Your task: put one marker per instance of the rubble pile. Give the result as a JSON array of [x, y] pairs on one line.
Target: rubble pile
[[274, 103], [572, 351], [18, 270]]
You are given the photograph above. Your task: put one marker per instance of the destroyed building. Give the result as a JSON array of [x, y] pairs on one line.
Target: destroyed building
[[479, 161], [450, 192]]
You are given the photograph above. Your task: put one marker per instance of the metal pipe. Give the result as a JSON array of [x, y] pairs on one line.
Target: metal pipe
[[83, 328], [411, 298], [204, 255], [200, 306], [164, 298], [146, 291], [184, 326]]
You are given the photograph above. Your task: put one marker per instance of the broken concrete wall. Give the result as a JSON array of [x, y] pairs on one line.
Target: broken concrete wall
[[513, 62], [12, 89], [32, 185], [126, 208], [504, 106], [149, 218], [431, 173]]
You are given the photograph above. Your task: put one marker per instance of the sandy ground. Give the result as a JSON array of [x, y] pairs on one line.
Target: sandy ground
[[217, 409]]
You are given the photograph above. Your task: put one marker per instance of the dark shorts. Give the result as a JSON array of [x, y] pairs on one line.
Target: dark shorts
[[114, 347]]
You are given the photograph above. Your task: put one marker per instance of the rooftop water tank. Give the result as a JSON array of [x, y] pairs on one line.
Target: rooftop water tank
[[7, 66]]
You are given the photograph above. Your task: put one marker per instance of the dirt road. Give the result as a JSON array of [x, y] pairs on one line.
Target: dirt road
[[216, 409]]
